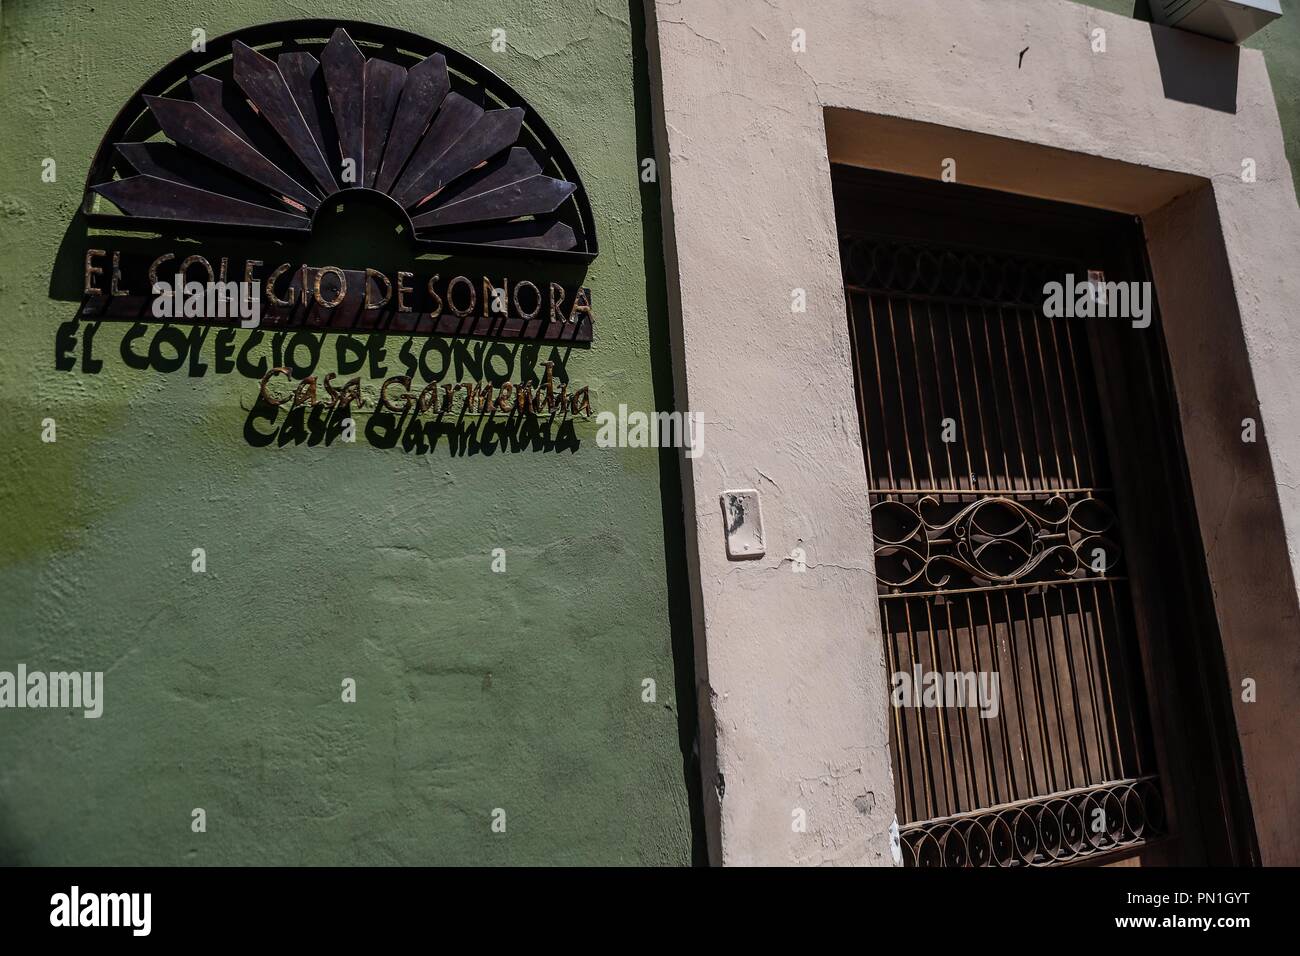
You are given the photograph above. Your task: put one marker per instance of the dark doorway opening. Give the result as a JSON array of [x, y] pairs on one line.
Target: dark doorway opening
[[1034, 529]]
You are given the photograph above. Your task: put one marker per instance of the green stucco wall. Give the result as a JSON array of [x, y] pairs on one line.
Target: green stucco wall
[[476, 690], [1280, 43]]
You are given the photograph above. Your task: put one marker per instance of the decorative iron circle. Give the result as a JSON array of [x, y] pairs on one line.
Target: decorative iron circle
[[1024, 834], [1001, 839], [979, 845], [953, 844]]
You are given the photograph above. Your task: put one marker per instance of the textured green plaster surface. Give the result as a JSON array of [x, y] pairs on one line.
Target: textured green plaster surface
[[328, 560], [1280, 43]]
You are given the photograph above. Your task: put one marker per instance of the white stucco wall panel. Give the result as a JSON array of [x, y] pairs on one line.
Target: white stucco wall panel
[[796, 683]]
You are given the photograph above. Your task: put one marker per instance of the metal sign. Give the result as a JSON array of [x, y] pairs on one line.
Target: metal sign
[[265, 124]]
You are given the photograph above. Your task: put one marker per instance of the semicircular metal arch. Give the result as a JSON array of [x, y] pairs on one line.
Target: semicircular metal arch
[[264, 125]]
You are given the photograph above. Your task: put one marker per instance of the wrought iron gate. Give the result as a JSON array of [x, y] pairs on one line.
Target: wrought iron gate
[[997, 553]]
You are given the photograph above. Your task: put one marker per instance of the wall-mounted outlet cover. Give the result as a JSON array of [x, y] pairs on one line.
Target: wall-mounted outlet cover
[[742, 523]]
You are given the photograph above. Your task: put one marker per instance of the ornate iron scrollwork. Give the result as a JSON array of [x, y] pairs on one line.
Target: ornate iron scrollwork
[[930, 544], [1044, 831]]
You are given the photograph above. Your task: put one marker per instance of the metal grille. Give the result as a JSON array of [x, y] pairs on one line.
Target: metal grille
[[997, 557]]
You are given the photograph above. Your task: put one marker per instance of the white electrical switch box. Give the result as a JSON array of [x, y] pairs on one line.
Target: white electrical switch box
[[742, 523]]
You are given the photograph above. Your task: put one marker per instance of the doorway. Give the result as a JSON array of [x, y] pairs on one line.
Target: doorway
[[1058, 681]]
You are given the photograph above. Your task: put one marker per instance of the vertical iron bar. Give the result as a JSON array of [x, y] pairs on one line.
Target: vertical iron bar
[[927, 774], [880, 390]]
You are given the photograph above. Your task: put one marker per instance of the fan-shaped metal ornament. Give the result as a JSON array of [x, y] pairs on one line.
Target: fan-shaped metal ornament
[[259, 130]]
